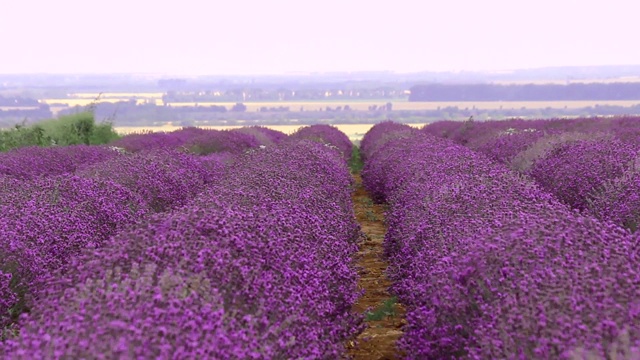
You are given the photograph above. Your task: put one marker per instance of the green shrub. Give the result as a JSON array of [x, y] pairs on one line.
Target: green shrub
[[74, 129], [384, 310]]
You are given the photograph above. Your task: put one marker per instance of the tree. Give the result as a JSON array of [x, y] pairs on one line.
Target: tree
[[239, 107]]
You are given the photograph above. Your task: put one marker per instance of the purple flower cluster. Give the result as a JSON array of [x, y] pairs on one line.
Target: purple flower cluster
[[507, 145], [31, 162], [47, 221], [325, 134], [214, 141], [164, 179], [489, 266], [258, 266], [619, 199]]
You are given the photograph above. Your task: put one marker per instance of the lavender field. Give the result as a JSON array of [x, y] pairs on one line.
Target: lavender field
[[504, 240], [192, 244], [512, 240]]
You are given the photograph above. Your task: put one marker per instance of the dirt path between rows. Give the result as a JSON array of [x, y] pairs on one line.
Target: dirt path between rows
[[385, 317]]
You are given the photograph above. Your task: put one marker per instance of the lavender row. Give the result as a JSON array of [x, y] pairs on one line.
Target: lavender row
[[325, 134], [257, 266], [590, 164], [32, 162], [201, 141], [207, 141], [489, 265], [474, 133]]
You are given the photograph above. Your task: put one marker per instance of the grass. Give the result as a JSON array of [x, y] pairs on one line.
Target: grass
[[355, 164], [367, 201], [383, 311], [371, 216]]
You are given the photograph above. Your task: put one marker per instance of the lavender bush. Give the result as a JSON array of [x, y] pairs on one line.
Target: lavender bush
[[575, 170], [49, 220], [543, 146], [196, 140], [618, 199], [265, 136], [214, 141], [584, 162], [504, 146], [383, 132], [165, 179]]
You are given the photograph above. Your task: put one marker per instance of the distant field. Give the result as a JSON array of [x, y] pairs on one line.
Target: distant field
[[563, 82], [8, 108], [489, 105], [362, 104], [298, 105], [126, 96], [86, 101], [353, 131]]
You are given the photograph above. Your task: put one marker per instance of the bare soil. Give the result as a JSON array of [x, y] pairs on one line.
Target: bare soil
[[378, 340]]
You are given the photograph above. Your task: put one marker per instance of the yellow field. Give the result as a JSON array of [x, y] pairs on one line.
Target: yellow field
[[406, 105], [489, 105], [85, 101], [8, 108], [108, 95], [353, 131], [632, 79]]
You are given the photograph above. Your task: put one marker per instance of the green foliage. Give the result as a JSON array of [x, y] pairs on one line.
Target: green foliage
[[384, 310], [367, 202], [8, 332], [103, 133], [20, 135], [74, 129], [356, 162]]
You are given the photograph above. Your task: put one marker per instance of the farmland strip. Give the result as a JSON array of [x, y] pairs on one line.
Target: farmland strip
[[385, 317]]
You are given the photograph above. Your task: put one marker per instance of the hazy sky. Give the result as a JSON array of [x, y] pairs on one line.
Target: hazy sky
[[277, 36]]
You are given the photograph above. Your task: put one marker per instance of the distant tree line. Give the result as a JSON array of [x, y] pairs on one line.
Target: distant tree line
[[18, 101], [8, 117], [527, 92], [17, 109], [129, 114], [283, 94]]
